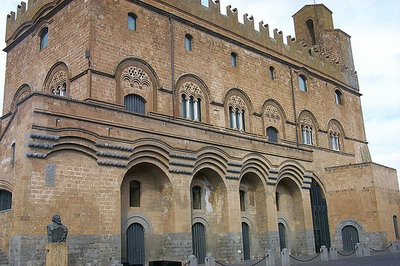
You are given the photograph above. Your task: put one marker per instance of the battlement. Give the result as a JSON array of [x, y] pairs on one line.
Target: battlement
[[26, 16], [314, 57], [297, 50]]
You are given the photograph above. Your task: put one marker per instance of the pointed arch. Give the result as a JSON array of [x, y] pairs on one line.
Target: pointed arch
[[57, 81], [308, 128], [273, 115], [191, 86], [238, 110], [336, 135], [136, 76], [23, 91]]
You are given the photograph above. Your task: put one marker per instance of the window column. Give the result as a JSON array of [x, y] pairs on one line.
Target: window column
[[240, 119], [196, 109], [187, 98]]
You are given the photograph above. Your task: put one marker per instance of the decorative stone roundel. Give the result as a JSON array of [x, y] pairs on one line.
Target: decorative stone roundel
[[236, 102], [58, 84], [306, 120], [334, 130], [272, 112], [136, 78], [191, 89]]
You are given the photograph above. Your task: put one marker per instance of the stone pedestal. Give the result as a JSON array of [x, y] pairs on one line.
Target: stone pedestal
[[57, 254]]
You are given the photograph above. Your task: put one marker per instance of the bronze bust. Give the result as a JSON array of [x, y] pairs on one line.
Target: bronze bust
[[57, 232]]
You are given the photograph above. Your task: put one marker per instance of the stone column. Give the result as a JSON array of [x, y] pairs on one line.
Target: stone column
[[234, 118], [187, 107], [240, 120], [195, 110], [57, 254]]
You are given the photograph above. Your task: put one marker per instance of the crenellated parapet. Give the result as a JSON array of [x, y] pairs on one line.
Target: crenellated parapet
[[26, 16], [309, 56], [334, 61]]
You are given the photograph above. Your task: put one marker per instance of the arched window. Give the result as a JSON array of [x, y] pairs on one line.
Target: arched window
[[233, 59], [237, 118], [302, 83], [135, 103], [5, 200], [188, 42], [277, 200], [132, 21], [271, 73], [272, 134], [196, 197], [242, 200], [396, 227], [306, 134], [134, 194], [338, 97], [44, 38], [310, 27], [191, 108]]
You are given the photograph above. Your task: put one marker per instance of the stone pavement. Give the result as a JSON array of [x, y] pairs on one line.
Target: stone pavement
[[376, 259]]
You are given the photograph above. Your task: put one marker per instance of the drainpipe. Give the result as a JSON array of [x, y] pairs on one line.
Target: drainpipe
[[172, 54], [294, 106]]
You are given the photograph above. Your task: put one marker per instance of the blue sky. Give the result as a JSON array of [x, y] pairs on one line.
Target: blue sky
[[375, 30]]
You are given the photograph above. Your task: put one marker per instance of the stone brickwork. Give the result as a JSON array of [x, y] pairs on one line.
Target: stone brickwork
[[69, 145]]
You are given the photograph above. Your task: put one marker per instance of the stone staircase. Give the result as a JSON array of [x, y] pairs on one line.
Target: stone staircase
[[3, 258]]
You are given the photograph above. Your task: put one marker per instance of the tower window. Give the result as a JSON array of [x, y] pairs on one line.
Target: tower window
[[135, 103], [271, 73], [132, 21], [396, 227], [302, 83], [188, 42], [310, 27], [233, 59], [272, 134], [196, 197], [338, 97], [44, 38], [134, 194], [277, 200]]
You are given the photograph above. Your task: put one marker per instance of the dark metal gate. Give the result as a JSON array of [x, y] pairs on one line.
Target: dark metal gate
[[199, 242], [246, 241], [349, 237], [135, 244], [282, 236], [320, 217]]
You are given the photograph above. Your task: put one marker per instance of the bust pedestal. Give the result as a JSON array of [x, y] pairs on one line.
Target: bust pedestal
[[57, 254]]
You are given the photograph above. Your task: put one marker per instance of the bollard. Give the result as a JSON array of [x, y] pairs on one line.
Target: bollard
[[270, 258], [285, 257], [359, 250], [210, 260], [333, 253], [366, 250], [192, 260], [324, 253], [395, 246]]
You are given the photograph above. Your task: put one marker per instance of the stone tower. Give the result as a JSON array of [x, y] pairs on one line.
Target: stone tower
[[314, 27]]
